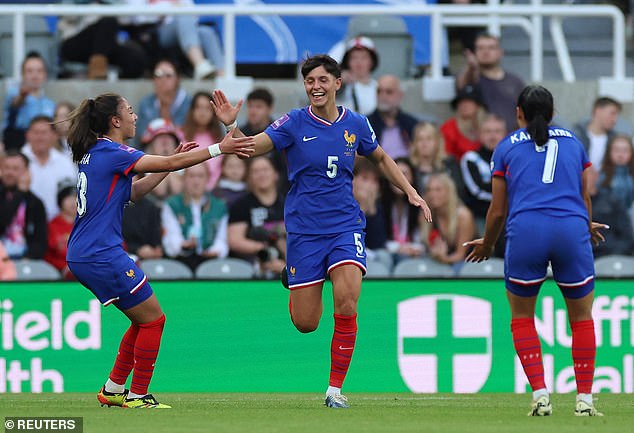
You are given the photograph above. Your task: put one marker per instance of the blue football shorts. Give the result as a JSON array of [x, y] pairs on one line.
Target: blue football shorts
[[534, 240], [309, 258], [118, 281]]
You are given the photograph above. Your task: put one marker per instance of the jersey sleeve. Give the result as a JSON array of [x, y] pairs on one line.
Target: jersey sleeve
[[125, 158], [368, 142], [498, 164], [280, 131]]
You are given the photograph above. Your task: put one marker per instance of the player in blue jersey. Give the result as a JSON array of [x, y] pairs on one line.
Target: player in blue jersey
[[540, 188], [324, 224], [98, 129]]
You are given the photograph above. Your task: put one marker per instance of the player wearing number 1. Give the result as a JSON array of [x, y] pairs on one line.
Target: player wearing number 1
[[95, 248], [540, 188], [324, 224]]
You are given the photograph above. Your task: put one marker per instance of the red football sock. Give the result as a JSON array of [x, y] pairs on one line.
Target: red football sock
[[341, 348], [529, 351], [145, 353], [584, 349], [125, 356]]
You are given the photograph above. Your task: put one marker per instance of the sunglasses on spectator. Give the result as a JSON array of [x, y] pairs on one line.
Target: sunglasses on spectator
[[160, 74]]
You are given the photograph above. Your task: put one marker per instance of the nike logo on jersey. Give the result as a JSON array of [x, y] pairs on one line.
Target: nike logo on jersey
[[308, 138]]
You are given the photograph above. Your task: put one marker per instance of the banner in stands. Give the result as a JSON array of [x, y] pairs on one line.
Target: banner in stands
[[226, 336]]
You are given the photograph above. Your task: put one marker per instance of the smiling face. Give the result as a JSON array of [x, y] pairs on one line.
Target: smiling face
[[125, 120], [321, 87], [621, 151]]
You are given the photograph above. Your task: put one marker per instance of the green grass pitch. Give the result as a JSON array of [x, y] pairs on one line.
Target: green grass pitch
[[305, 413]]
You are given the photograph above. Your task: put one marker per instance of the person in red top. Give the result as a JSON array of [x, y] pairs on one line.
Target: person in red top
[[59, 230], [461, 131]]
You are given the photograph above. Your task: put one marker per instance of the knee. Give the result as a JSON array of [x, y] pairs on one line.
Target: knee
[[305, 326], [346, 307]]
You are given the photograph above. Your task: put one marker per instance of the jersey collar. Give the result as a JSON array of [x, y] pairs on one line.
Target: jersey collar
[[342, 113]]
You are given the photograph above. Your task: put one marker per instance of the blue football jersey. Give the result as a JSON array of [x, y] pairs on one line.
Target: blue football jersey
[[547, 179], [103, 188], [320, 156]]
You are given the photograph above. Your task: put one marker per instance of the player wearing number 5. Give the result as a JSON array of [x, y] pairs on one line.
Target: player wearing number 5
[[539, 187], [324, 224], [95, 248]]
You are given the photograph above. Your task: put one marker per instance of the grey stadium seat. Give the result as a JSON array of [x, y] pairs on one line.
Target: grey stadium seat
[[422, 268], [166, 269], [225, 269], [377, 269], [492, 268], [33, 270], [614, 266]]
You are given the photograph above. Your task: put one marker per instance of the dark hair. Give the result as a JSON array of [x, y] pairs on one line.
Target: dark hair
[[388, 199], [607, 165], [261, 94], [604, 101], [13, 153], [89, 121], [64, 192], [41, 118], [33, 55], [213, 127], [330, 65], [536, 102]]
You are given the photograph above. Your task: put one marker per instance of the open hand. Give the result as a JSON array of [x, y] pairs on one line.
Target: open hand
[[595, 234], [241, 146], [416, 200], [185, 147], [226, 112], [480, 251]]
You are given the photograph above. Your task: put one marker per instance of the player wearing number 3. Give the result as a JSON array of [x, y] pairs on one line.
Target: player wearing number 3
[[98, 129], [540, 188], [324, 224]]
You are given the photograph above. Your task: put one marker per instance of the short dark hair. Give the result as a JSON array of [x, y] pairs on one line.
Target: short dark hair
[[33, 55], [41, 118], [604, 101], [13, 153], [261, 94], [330, 65]]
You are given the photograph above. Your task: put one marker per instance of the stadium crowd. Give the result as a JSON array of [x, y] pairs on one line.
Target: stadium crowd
[[232, 207]]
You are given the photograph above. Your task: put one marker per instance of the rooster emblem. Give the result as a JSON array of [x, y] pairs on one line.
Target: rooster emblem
[[350, 138], [130, 273], [292, 269]]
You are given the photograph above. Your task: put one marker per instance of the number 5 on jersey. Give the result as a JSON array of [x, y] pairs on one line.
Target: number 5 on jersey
[[332, 166]]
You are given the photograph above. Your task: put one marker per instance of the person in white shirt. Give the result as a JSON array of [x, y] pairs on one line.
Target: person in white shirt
[[359, 91]]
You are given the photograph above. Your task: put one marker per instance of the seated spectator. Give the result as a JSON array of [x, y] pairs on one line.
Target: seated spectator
[[162, 138], [49, 168], [169, 101], [59, 230], [393, 127], [93, 40], [476, 169], [25, 101], [427, 155], [259, 111], [358, 91], [500, 89], [195, 221], [401, 217], [256, 221], [202, 126], [23, 228], [142, 228], [7, 267], [452, 225], [617, 170], [366, 190], [461, 131], [231, 185], [61, 125], [595, 132], [182, 33]]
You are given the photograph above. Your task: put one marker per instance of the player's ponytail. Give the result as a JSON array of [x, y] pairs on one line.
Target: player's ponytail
[[536, 102], [89, 121]]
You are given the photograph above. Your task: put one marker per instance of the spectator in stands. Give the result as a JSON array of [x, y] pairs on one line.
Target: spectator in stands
[[93, 40], [7, 267], [256, 221], [452, 224], [202, 126], [162, 138], [393, 126], [23, 218], [231, 185], [366, 189], [195, 221], [427, 155], [617, 170], [25, 101], [259, 111], [358, 91], [61, 125], [169, 100], [500, 89], [142, 228], [401, 217], [595, 133], [199, 43], [50, 169], [59, 229], [461, 131], [475, 166]]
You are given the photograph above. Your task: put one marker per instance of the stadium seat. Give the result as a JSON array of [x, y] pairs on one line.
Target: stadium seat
[[422, 268], [166, 269], [34, 270], [38, 37], [614, 266], [377, 269], [225, 269], [492, 268]]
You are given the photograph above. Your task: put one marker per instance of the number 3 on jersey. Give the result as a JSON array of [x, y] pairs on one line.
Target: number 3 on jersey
[[82, 185], [332, 166]]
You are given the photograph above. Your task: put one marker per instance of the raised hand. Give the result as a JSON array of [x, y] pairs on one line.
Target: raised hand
[[226, 112], [241, 146]]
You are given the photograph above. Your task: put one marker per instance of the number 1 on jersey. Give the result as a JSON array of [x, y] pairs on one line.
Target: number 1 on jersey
[[550, 163]]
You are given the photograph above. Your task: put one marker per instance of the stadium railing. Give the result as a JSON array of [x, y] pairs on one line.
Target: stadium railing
[[435, 87]]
